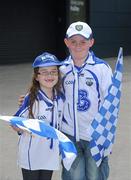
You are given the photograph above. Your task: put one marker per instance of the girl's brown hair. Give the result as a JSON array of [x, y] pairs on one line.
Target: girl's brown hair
[[35, 86]]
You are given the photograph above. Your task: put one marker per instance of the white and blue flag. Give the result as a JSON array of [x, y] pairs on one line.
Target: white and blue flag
[[39, 127], [103, 127]]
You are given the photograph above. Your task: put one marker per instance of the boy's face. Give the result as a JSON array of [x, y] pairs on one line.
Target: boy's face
[[78, 46]]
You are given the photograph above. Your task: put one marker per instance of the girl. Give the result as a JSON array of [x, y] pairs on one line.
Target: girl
[[38, 156]]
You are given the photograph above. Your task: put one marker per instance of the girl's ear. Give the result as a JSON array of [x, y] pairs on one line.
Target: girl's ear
[[36, 79]]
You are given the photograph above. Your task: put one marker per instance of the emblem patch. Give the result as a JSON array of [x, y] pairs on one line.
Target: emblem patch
[[78, 27], [89, 81]]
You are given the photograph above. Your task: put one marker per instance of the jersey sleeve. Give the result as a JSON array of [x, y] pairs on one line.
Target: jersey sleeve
[[60, 109], [106, 79]]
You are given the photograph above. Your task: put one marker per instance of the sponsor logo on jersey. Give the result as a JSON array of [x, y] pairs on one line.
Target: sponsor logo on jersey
[[42, 117], [69, 82]]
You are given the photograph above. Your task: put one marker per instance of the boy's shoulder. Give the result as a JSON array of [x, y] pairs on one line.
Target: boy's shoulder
[[66, 62], [66, 66], [98, 60]]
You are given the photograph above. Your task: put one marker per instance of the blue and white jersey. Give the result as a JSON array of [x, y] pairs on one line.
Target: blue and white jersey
[[85, 88], [36, 152]]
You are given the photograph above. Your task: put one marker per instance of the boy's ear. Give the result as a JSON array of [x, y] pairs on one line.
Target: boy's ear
[[66, 42], [92, 41]]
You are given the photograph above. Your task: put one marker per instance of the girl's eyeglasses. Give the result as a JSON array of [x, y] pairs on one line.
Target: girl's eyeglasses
[[47, 73]]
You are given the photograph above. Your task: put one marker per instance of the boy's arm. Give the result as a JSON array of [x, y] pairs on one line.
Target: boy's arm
[[21, 99]]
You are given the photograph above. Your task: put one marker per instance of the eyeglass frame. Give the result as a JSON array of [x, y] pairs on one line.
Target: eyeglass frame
[[47, 73]]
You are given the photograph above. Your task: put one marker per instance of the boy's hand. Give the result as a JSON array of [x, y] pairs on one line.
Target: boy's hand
[[21, 99]]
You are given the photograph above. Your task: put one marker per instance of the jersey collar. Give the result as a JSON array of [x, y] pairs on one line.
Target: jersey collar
[[88, 60]]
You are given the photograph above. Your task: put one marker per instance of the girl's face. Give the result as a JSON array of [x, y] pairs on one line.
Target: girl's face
[[47, 77], [79, 46]]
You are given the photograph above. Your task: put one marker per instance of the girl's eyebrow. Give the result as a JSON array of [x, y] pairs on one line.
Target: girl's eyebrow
[[48, 69]]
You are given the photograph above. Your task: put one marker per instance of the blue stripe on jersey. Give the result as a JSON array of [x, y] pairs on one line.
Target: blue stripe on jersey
[[43, 97], [98, 60], [64, 120], [74, 109]]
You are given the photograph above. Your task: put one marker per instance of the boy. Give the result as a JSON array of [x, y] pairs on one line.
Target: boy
[[86, 79]]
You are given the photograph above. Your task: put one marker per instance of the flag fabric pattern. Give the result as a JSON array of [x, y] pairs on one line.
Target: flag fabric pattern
[[103, 127], [39, 127]]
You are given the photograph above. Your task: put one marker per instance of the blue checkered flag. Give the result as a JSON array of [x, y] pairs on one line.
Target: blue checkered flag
[[103, 127], [39, 127]]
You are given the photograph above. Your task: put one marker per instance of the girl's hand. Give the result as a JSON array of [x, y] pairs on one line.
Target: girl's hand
[[20, 131], [16, 129]]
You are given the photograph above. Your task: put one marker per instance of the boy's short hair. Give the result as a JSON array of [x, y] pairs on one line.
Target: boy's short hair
[[79, 28]]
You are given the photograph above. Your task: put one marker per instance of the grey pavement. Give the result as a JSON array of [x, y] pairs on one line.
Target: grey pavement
[[14, 80]]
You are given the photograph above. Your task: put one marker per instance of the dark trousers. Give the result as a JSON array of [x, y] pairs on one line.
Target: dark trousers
[[37, 174]]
